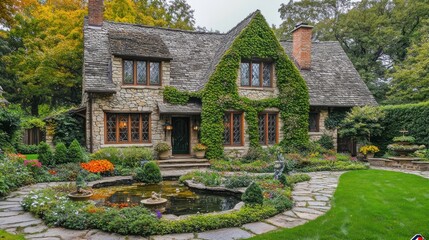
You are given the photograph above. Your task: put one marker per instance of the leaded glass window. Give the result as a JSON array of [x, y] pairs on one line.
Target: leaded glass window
[[233, 129], [154, 73], [127, 128], [261, 128], [244, 74], [142, 72], [128, 72], [227, 129], [255, 74], [267, 126], [266, 75]]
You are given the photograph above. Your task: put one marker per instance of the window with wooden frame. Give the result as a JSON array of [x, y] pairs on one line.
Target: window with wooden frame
[[141, 73], [268, 128], [233, 129], [313, 122], [127, 128], [256, 74]]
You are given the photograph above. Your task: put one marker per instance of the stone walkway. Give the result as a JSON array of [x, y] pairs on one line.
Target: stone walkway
[[312, 199]]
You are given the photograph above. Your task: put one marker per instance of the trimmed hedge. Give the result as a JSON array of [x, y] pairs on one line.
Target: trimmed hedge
[[412, 117]]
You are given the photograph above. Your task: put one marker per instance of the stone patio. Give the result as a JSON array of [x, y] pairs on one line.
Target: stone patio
[[312, 199]]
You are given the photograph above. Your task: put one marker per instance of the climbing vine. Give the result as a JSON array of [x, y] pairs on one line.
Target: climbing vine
[[257, 40]]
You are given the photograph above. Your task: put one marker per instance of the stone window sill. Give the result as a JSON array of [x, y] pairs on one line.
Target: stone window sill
[[315, 133], [127, 145], [141, 87], [234, 148], [264, 89]]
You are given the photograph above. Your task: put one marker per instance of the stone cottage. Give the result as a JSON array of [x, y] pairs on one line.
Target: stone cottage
[[128, 69]]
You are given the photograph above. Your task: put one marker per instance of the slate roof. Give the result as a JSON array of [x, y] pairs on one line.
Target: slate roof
[[332, 79]]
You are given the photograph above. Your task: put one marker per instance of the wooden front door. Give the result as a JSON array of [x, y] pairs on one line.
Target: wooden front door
[[346, 145], [180, 135]]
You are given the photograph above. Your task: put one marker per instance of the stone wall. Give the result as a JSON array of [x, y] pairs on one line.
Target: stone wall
[[314, 136]]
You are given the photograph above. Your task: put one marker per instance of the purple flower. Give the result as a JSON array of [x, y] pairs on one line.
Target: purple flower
[[158, 214]]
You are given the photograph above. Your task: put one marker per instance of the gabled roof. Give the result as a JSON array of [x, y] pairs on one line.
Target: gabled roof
[[332, 79]]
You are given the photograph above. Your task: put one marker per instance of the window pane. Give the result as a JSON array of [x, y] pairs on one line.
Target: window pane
[[154, 73], [111, 127], [255, 74], [312, 122], [145, 129], [244, 74], [128, 72], [141, 72], [272, 128], [236, 124], [267, 75], [135, 127], [123, 128], [227, 130], [261, 128]]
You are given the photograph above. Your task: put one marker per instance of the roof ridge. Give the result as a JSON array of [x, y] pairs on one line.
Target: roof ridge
[[164, 28], [251, 15]]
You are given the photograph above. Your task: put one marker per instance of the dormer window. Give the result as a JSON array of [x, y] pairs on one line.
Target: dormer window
[[141, 73], [256, 74]]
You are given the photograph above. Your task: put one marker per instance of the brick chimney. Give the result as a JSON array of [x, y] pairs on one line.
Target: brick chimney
[[301, 36], [95, 12]]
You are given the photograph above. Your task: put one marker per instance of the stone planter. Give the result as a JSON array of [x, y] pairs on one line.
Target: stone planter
[[200, 154], [163, 155], [80, 196], [369, 155]]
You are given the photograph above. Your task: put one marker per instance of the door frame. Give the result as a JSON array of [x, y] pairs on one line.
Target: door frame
[[189, 135]]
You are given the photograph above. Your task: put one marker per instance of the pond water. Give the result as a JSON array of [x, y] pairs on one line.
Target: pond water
[[181, 199]]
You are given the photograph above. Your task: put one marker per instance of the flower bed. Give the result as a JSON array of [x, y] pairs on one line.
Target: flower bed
[[98, 166]]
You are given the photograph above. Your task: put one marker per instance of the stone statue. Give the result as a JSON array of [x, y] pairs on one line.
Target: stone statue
[[155, 196]]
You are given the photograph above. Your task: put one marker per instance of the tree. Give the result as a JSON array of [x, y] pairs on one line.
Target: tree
[[181, 14], [75, 152], [60, 155], [362, 123], [410, 82]]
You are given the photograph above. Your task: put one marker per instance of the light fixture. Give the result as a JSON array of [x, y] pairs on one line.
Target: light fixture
[[195, 127], [123, 124], [168, 126]]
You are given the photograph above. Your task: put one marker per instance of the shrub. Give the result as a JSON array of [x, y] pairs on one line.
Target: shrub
[[75, 152], [134, 155], [253, 154], [253, 195], [238, 181], [114, 155], [326, 142], [343, 157], [296, 178], [45, 154], [13, 174], [283, 180], [149, 174], [27, 149], [207, 178], [60, 155], [279, 201]]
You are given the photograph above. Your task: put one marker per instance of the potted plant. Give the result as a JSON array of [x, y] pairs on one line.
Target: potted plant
[[162, 148], [81, 193], [369, 150], [200, 150]]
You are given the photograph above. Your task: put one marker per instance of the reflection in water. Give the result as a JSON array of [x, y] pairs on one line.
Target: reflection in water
[[181, 200]]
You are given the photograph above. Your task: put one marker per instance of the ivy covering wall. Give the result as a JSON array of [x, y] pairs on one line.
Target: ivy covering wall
[[257, 40]]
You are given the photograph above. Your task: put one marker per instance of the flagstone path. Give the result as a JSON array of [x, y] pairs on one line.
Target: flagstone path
[[311, 200]]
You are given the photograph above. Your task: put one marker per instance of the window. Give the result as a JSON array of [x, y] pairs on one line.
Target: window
[[255, 74], [142, 73], [127, 128], [313, 122], [233, 129], [267, 126]]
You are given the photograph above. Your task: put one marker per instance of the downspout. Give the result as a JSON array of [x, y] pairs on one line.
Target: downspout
[[91, 147]]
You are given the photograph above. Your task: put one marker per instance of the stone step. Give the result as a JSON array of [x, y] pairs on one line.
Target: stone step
[[184, 160], [184, 165], [185, 156]]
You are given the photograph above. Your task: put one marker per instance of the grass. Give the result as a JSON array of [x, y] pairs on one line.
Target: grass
[[31, 156], [7, 236], [371, 204]]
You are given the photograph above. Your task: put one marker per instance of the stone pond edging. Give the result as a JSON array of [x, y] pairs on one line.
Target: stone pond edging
[[311, 200]]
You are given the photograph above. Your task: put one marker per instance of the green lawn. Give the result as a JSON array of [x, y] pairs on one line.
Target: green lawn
[[31, 156], [369, 204], [7, 236]]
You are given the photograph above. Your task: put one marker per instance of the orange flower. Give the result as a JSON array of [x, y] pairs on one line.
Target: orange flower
[[98, 166]]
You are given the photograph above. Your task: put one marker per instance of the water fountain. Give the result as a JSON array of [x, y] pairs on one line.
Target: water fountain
[[155, 202]]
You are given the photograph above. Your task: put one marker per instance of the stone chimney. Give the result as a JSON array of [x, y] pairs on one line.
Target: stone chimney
[[95, 12], [301, 36]]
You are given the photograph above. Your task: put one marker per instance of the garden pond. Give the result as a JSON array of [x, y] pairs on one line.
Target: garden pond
[[181, 199]]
